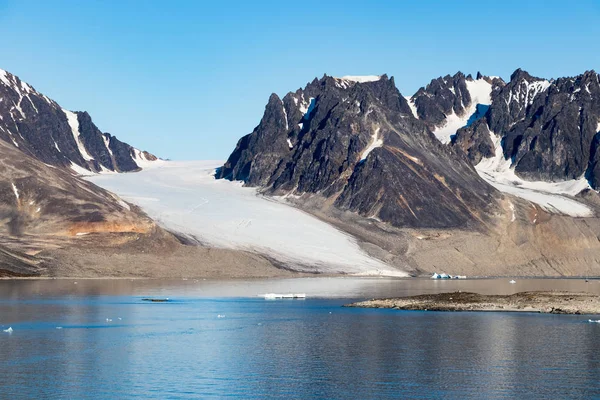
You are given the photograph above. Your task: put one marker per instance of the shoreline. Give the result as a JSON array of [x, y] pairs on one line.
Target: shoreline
[[295, 274], [545, 302]]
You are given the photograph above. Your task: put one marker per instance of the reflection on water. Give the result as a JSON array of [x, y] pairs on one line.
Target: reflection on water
[[309, 348], [350, 287]]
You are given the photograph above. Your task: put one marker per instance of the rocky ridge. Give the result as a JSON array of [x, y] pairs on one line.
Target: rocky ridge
[[356, 144], [41, 128]]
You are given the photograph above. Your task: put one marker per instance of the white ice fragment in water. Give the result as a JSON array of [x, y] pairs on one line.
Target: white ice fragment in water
[[220, 316], [512, 281], [595, 321], [270, 296], [9, 330]]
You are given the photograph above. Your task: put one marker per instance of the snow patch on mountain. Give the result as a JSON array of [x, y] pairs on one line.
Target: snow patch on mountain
[[480, 92], [306, 108], [74, 124], [554, 197], [143, 162], [80, 170], [348, 81], [376, 142], [525, 93], [413, 107], [362, 79], [185, 197]]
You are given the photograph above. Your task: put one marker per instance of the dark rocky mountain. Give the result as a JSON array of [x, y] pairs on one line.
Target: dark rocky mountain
[[39, 127], [453, 95], [548, 128], [355, 143]]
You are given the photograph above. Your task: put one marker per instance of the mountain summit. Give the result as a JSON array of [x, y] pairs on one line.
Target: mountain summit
[[355, 143]]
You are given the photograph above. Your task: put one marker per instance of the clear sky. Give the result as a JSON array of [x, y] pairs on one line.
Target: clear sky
[[186, 79]]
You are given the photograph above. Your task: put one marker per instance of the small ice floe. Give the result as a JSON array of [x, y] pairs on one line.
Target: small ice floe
[[284, 295], [220, 316], [594, 321], [59, 327], [108, 319], [9, 330], [447, 276], [512, 281]]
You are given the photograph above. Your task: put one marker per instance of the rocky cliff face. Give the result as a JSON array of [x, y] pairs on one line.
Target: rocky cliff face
[[452, 102], [547, 128], [355, 142], [38, 126]]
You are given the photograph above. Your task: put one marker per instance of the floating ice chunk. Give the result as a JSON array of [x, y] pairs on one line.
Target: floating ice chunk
[[594, 321], [9, 330], [284, 296], [446, 276], [108, 320], [220, 316], [512, 281]]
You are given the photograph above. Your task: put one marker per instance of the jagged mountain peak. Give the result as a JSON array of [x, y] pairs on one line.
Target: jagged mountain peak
[[40, 127], [332, 138], [520, 74]]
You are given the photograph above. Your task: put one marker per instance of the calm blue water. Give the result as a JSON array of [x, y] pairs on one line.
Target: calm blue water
[[203, 345]]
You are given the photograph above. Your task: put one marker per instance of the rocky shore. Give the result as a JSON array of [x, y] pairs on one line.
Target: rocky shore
[[542, 302]]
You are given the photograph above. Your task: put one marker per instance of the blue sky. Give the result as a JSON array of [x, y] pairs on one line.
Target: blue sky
[[186, 79]]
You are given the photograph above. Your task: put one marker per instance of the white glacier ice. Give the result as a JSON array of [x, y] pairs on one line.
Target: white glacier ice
[[185, 197]]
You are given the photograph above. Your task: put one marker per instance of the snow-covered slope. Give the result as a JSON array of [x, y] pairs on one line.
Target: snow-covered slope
[[185, 197], [480, 92], [554, 197]]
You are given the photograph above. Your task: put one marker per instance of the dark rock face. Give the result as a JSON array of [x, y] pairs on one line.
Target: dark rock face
[[441, 97], [549, 129], [39, 127], [359, 145], [475, 141]]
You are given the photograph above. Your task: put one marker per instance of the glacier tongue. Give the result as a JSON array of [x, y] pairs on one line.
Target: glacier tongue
[[185, 197]]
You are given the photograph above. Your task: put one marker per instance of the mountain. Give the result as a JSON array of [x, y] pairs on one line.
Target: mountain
[[449, 103], [39, 127], [547, 129], [56, 224], [354, 142], [471, 176]]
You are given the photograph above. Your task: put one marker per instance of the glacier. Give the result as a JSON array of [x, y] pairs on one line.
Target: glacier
[[185, 197]]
